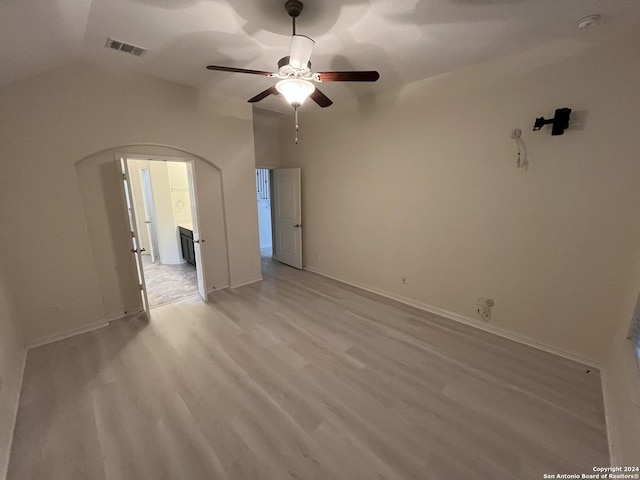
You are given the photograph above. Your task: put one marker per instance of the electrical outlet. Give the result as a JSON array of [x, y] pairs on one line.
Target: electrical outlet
[[484, 308], [484, 312], [404, 280]]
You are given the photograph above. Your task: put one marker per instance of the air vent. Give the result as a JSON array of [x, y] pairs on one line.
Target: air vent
[[125, 47]]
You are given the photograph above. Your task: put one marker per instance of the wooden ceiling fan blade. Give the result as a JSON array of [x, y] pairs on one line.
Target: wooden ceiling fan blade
[[355, 76], [239, 70], [264, 94], [320, 98]]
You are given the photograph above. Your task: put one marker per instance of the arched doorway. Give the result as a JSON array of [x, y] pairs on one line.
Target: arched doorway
[[101, 187]]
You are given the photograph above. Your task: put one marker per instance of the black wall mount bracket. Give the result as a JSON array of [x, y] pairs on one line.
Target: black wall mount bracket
[[560, 122]]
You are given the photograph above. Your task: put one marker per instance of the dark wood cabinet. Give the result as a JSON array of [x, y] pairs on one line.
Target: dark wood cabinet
[[186, 244]]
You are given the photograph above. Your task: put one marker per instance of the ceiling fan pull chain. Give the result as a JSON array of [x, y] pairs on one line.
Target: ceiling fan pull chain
[[296, 120]]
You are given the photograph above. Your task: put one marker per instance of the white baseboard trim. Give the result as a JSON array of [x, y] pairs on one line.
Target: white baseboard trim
[[15, 417], [215, 289], [257, 279], [67, 334], [118, 316], [467, 321]]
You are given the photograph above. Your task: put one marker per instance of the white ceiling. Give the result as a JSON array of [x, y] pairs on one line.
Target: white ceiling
[[404, 40]]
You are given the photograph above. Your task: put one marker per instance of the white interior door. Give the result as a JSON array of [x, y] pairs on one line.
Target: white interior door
[[287, 216], [198, 240], [149, 214], [136, 248]]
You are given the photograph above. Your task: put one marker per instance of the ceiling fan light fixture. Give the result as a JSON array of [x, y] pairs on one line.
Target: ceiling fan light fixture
[[295, 90]]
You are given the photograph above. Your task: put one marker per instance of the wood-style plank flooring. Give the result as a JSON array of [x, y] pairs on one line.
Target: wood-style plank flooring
[[302, 377]]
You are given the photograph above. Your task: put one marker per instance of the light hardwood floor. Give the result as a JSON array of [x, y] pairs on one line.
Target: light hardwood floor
[[301, 377]]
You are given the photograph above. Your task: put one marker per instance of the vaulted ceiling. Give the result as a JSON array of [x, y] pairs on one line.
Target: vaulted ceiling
[[404, 40]]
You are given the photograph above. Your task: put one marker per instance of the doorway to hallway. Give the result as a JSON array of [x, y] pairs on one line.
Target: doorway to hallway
[[280, 214], [265, 219]]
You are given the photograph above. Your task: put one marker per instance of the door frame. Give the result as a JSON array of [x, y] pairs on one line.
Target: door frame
[[271, 217], [289, 227], [122, 158], [197, 242]]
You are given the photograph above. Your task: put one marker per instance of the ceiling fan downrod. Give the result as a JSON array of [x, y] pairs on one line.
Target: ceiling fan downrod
[[293, 8]]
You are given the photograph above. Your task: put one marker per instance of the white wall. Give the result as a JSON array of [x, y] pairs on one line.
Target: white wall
[[12, 353], [51, 122], [422, 183], [168, 246], [266, 137], [166, 224], [180, 199]]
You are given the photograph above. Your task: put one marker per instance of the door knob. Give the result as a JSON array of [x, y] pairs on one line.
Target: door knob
[[297, 225]]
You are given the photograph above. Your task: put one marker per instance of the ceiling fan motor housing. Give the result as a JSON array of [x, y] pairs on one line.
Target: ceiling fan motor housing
[[285, 70]]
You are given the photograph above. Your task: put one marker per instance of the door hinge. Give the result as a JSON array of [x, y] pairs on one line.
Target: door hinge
[[141, 287], [133, 234], [124, 176]]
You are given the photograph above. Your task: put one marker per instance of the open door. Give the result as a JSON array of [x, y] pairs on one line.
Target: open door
[[136, 249], [287, 216], [198, 240]]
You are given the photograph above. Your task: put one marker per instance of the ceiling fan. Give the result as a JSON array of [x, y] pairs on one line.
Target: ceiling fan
[[294, 71]]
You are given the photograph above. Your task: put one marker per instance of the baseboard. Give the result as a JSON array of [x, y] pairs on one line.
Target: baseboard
[[67, 334], [467, 321], [215, 289], [257, 279], [15, 417], [118, 316]]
